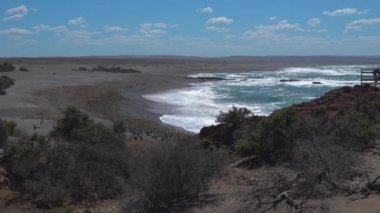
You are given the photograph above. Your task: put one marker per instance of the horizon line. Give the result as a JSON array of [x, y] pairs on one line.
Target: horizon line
[[181, 56]]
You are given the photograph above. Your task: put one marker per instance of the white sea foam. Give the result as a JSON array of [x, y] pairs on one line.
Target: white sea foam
[[261, 92], [189, 123]]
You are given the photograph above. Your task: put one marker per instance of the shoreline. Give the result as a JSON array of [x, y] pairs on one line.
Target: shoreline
[[178, 116], [53, 83]]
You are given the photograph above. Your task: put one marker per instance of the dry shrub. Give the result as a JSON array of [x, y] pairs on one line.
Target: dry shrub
[[171, 174], [324, 167], [88, 162]]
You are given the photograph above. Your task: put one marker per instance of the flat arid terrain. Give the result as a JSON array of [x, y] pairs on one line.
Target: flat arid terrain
[[39, 97]]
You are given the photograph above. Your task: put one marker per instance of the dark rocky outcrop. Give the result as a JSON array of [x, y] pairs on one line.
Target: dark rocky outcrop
[[208, 78], [289, 80]]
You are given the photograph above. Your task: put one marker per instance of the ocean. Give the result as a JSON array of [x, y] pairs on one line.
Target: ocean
[[261, 92]]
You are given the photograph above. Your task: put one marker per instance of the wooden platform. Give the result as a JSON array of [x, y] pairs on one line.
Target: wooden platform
[[367, 77]]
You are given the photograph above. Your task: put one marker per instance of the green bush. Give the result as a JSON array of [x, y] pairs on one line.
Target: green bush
[[234, 117], [95, 134], [63, 210], [249, 147], [6, 82], [207, 143], [11, 127], [119, 127], [244, 149], [73, 120], [3, 133], [278, 133]]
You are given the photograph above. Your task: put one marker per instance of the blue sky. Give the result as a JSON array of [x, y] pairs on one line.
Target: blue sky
[[189, 27]]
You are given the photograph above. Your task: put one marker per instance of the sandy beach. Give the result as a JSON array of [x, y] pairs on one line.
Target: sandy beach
[[38, 97]]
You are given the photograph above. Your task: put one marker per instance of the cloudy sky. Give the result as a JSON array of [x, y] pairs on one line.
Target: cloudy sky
[[189, 27]]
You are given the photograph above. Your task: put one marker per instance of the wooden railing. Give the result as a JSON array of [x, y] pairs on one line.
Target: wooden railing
[[367, 76]]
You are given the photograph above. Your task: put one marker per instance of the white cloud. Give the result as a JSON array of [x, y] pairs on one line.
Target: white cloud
[[269, 31], [314, 22], [317, 31], [273, 18], [281, 25], [28, 42], [218, 29], [160, 25], [148, 34], [15, 32], [152, 29], [220, 20], [229, 36], [61, 31], [358, 24], [155, 29], [206, 10], [56, 29], [16, 14], [115, 29], [345, 12], [77, 22]]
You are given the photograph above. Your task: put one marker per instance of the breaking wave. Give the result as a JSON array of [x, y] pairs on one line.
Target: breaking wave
[[261, 92]]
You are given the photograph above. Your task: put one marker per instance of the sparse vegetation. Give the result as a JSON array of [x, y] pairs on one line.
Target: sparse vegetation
[[318, 145], [82, 69], [89, 164], [7, 67], [114, 69], [119, 127], [10, 126], [3, 133], [325, 169], [171, 175], [274, 137], [85, 161], [23, 69], [5, 83]]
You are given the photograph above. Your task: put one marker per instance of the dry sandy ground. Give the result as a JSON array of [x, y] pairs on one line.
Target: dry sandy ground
[[233, 191], [38, 97]]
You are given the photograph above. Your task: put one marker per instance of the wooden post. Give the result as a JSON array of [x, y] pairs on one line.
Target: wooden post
[[361, 76]]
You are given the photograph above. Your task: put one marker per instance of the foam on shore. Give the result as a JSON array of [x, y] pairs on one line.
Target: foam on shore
[[261, 92]]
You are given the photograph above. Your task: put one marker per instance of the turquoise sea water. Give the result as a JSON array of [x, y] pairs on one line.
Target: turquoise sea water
[[261, 92]]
